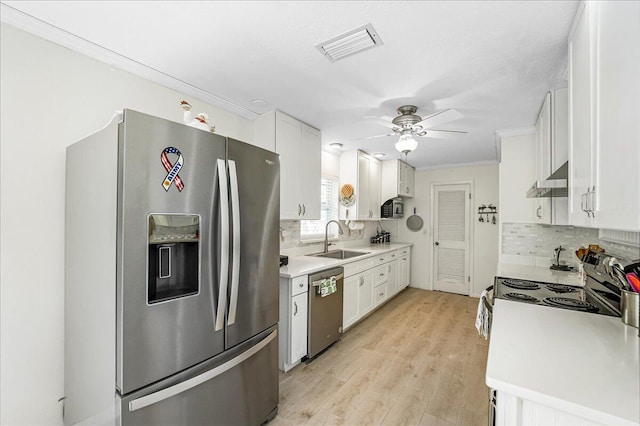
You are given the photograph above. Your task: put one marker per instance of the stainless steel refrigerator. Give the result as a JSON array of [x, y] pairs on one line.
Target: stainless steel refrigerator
[[171, 277]]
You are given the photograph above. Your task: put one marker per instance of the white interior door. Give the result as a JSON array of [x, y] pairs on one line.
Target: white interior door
[[451, 247]]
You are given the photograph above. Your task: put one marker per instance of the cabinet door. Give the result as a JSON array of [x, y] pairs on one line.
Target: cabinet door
[[392, 272], [350, 300], [402, 178], [362, 197], [309, 177], [365, 293], [288, 131], [617, 133], [411, 181], [405, 269], [543, 158], [580, 118], [374, 188], [299, 310]]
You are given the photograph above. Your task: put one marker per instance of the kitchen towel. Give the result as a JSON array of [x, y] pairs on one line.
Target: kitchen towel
[[482, 317], [327, 287]]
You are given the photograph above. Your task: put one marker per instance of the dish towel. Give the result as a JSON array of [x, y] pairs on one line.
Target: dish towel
[[327, 287], [482, 317]]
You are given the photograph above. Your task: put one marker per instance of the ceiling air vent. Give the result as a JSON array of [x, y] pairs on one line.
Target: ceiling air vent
[[349, 43]]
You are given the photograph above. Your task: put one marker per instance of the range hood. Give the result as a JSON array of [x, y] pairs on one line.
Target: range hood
[[554, 186]]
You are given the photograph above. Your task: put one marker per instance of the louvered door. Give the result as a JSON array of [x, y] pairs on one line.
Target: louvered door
[[451, 238]]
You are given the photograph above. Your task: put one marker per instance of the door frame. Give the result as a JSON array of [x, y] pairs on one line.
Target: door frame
[[471, 183]]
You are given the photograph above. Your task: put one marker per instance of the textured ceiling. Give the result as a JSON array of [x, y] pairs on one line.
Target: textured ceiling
[[492, 61]]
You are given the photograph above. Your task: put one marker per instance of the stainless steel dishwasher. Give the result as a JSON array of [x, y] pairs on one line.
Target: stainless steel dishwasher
[[325, 312]]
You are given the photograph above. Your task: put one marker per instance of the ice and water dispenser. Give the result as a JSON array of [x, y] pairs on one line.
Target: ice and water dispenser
[[173, 258]]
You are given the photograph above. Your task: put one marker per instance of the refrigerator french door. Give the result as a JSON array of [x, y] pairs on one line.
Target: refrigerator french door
[[196, 275]]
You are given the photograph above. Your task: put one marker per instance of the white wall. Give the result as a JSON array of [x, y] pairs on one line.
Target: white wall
[[50, 98], [485, 236]]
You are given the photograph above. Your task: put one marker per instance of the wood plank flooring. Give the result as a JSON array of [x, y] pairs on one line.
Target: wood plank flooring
[[418, 360]]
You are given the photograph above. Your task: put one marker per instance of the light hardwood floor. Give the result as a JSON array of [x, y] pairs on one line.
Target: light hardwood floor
[[418, 360]]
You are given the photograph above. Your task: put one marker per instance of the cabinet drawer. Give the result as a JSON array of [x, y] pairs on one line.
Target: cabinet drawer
[[365, 264], [299, 285], [381, 258], [380, 275], [393, 255], [350, 269], [380, 293]]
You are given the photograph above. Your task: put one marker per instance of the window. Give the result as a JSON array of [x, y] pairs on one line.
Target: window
[[312, 229]]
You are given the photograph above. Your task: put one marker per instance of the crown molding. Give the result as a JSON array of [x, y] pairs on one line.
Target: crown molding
[[37, 27]]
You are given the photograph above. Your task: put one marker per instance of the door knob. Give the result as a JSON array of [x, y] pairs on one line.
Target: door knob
[[437, 243]]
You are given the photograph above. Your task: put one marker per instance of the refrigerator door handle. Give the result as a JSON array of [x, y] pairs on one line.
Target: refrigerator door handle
[[224, 244], [235, 260], [174, 390]]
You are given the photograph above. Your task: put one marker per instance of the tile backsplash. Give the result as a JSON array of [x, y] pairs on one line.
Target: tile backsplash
[[290, 232], [529, 239]]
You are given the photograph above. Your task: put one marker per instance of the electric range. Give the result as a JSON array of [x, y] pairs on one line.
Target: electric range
[[583, 299]]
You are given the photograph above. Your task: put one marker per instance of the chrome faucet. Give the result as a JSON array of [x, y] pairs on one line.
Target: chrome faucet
[[326, 234]]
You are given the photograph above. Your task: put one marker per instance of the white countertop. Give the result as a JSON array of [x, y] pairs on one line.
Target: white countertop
[[538, 273], [581, 363], [303, 265]]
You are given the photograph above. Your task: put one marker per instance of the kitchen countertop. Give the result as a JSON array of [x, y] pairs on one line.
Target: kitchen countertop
[[555, 357], [303, 265], [538, 273]]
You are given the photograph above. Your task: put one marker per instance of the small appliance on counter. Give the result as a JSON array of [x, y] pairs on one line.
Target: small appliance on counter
[[381, 237], [393, 208], [284, 260]]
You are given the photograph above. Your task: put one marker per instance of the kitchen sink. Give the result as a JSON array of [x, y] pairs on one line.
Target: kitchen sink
[[340, 254]]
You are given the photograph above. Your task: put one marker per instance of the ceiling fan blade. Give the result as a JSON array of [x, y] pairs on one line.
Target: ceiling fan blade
[[440, 117], [444, 134], [373, 137]]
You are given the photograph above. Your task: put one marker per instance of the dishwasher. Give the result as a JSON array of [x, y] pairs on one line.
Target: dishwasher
[[325, 309]]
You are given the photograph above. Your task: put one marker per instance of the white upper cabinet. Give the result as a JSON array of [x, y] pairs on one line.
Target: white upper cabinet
[[299, 147], [604, 106], [398, 180], [543, 158], [363, 172]]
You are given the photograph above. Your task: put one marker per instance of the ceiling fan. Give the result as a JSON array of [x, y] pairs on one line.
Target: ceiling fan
[[408, 125]]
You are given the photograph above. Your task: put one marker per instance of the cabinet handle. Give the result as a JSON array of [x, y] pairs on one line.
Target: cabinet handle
[[295, 309], [538, 213], [381, 294], [304, 210], [361, 281], [299, 209], [301, 285], [582, 203], [389, 268], [382, 274]]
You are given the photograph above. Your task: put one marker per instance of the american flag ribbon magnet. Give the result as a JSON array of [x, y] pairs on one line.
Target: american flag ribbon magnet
[[172, 169]]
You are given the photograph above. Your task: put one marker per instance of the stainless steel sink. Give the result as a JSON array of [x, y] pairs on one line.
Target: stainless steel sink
[[340, 254]]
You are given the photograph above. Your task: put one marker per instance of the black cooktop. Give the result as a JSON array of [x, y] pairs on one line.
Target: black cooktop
[[582, 299]]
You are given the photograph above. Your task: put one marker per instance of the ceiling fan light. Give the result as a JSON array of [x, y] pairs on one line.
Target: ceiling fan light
[[406, 143]]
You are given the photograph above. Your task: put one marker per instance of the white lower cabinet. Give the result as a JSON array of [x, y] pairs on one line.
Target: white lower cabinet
[[350, 301], [512, 410], [392, 283], [379, 293], [365, 293], [292, 333], [404, 267], [370, 282], [299, 315]]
